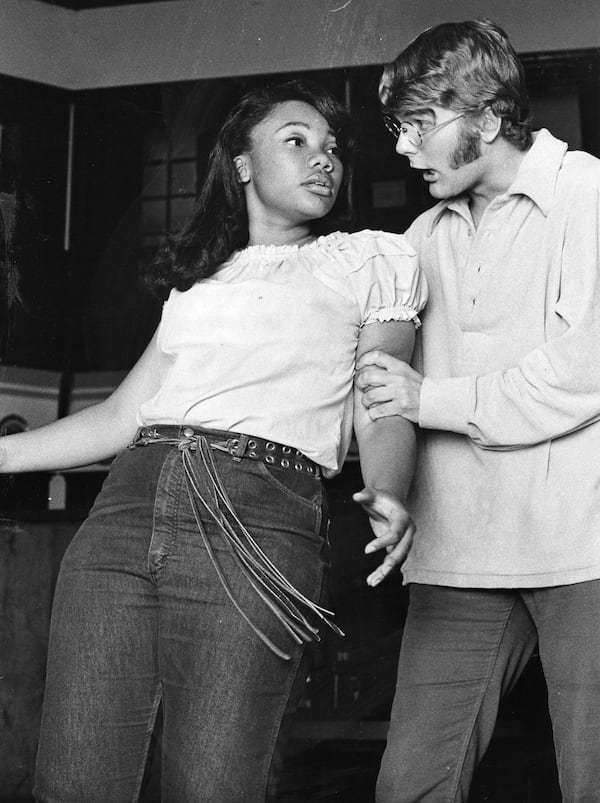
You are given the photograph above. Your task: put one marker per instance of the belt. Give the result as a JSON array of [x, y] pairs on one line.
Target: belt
[[239, 446]]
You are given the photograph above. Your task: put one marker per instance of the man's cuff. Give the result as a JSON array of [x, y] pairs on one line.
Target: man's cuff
[[447, 403]]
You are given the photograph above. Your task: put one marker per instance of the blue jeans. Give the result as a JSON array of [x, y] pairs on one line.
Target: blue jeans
[[140, 617], [462, 650]]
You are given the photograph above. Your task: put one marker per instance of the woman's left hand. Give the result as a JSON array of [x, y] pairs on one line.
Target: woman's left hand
[[393, 527]]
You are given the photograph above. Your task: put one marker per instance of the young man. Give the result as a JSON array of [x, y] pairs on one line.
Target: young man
[[506, 393]]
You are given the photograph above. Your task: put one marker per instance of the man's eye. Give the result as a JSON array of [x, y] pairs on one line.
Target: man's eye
[[295, 140]]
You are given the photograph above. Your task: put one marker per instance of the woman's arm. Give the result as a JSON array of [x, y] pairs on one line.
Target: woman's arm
[[93, 434], [387, 453]]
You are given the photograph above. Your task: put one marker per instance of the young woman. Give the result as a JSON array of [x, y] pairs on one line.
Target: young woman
[[197, 578]]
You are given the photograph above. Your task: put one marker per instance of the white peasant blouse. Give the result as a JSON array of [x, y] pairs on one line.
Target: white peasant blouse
[[266, 346]]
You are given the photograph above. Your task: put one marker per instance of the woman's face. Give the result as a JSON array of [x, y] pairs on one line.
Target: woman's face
[[292, 171]]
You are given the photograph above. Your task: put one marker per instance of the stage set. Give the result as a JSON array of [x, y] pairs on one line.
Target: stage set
[[107, 112]]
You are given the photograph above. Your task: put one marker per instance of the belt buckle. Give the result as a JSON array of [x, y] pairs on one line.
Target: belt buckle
[[144, 436], [237, 446]]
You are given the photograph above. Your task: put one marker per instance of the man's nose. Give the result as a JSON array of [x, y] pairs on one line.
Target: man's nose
[[404, 146]]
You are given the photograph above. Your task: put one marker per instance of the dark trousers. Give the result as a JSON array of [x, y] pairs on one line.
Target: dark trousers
[[462, 650]]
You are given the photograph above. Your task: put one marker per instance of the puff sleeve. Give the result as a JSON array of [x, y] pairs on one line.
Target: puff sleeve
[[385, 278]]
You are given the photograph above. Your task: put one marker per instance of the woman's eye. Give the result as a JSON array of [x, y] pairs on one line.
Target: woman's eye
[[298, 141], [334, 149]]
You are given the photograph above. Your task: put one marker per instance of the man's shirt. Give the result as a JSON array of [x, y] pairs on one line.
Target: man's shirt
[[507, 490]]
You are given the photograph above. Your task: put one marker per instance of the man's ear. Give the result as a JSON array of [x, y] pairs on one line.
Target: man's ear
[[489, 125], [242, 169]]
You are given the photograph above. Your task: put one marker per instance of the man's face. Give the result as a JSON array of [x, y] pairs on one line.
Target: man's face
[[444, 147]]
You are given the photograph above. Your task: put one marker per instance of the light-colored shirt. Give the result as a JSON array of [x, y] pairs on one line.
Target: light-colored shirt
[[507, 491], [267, 345]]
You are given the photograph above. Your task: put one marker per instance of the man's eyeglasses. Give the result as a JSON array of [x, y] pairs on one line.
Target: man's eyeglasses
[[410, 130]]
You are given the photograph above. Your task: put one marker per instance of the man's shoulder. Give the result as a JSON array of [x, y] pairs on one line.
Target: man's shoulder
[[578, 182], [580, 164]]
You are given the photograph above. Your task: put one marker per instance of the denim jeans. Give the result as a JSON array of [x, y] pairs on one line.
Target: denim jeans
[[140, 617], [462, 650]]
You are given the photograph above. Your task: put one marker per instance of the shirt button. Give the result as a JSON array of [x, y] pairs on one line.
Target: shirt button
[[472, 302]]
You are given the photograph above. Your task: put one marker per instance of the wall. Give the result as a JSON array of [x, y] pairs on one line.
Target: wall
[[190, 39], [37, 42]]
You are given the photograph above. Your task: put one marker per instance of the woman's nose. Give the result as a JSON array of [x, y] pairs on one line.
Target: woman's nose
[[321, 159]]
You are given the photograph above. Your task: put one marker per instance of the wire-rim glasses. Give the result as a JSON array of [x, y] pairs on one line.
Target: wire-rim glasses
[[410, 131]]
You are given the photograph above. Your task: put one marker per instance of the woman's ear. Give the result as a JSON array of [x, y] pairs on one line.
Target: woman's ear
[[242, 169]]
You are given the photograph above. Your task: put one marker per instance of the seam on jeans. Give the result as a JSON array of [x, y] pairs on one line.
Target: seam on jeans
[[485, 687], [140, 778], [166, 484], [268, 779]]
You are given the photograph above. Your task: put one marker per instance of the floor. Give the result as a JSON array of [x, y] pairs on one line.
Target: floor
[[515, 770]]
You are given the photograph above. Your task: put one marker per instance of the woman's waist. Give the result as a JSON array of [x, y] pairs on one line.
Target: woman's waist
[[236, 444], [319, 433]]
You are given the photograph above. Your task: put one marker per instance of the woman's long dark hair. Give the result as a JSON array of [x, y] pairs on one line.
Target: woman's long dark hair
[[219, 224]]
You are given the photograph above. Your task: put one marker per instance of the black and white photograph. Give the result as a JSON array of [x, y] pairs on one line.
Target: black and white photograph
[[299, 401]]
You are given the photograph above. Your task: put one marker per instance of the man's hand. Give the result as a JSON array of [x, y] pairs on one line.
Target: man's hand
[[390, 386], [393, 527]]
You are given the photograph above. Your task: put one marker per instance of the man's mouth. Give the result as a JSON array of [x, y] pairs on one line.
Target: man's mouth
[[427, 173]]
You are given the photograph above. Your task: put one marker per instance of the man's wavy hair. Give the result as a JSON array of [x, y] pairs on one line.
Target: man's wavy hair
[[464, 66], [219, 223]]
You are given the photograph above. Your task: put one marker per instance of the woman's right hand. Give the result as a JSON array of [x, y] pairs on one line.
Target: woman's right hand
[[393, 527]]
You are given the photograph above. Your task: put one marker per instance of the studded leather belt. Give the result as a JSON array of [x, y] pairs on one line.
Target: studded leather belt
[[236, 444]]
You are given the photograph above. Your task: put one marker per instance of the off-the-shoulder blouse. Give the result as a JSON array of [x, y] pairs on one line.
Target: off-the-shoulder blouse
[[266, 345]]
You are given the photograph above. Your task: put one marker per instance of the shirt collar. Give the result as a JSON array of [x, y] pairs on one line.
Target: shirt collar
[[458, 204], [536, 178]]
